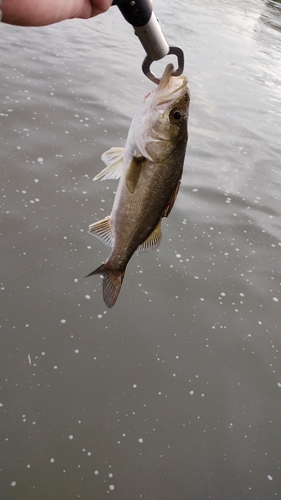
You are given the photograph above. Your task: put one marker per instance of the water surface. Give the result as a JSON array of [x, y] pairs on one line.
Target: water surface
[[175, 393]]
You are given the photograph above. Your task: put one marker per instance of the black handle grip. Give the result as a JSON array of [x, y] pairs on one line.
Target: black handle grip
[[136, 12]]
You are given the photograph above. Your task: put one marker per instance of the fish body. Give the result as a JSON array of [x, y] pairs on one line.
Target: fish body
[[150, 168]]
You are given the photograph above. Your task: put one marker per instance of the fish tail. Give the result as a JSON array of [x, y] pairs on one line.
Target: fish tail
[[112, 281]]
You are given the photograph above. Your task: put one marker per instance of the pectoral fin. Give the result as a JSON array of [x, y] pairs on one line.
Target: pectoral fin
[[103, 231], [171, 201], [152, 242], [133, 173], [113, 158]]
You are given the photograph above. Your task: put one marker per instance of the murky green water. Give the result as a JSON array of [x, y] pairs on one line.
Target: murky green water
[[175, 393]]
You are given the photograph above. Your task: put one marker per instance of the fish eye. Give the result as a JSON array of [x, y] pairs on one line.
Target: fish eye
[[176, 116]]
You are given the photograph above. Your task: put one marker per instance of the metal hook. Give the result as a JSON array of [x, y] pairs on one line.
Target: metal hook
[[177, 51]]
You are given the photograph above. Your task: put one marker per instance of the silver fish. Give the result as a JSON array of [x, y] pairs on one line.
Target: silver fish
[[150, 169]]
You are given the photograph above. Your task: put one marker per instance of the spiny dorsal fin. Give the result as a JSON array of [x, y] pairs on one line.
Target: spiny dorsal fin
[[152, 242], [133, 173], [113, 158], [103, 231], [171, 201]]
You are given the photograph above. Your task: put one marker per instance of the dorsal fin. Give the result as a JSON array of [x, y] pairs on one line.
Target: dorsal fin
[[133, 173], [113, 158], [103, 231], [152, 242]]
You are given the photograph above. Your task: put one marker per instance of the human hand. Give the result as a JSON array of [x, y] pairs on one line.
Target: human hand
[[44, 12]]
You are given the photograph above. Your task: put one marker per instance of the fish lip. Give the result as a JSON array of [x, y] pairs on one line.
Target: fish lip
[[170, 88], [165, 77]]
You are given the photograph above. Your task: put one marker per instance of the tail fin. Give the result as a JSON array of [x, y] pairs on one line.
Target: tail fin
[[112, 281]]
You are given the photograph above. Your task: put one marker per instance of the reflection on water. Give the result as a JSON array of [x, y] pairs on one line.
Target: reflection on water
[[274, 4], [271, 16], [176, 392]]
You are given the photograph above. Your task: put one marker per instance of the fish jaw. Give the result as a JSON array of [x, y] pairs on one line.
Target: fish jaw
[[146, 128], [170, 89]]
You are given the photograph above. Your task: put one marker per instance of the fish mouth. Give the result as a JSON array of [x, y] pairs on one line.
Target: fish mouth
[[165, 77], [170, 87]]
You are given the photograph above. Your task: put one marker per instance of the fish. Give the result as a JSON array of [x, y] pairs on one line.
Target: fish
[[149, 169]]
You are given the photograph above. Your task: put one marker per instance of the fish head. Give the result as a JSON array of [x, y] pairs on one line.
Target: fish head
[[164, 117]]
